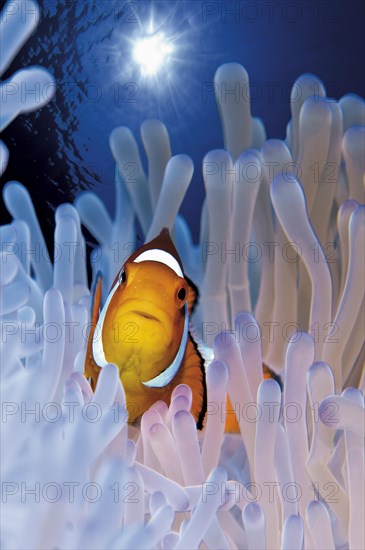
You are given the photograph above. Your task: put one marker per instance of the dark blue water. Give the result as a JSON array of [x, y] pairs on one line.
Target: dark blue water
[[63, 148]]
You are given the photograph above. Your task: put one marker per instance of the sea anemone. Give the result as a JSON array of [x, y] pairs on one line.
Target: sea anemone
[[280, 270], [27, 89]]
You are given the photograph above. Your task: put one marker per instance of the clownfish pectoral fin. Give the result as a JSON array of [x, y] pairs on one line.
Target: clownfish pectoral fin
[[193, 375], [268, 373], [232, 424], [193, 295], [92, 370]]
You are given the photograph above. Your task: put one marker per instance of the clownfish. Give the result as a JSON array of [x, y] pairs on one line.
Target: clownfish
[[143, 328]]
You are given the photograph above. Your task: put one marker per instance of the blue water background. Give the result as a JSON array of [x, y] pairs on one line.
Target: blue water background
[[63, 148]]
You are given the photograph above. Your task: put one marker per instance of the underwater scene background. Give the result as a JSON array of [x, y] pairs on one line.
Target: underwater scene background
[[246, 140], [88, 47]]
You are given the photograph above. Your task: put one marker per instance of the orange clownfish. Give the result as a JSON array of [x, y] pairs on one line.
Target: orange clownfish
[[143, 328]]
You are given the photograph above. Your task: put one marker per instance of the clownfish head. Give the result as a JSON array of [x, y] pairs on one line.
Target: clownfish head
[[143, 325]]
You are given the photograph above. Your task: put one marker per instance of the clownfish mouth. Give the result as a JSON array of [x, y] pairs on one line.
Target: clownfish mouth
[[146, 315]]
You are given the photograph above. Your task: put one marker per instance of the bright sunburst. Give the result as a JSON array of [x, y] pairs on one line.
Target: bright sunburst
[[151, 53]]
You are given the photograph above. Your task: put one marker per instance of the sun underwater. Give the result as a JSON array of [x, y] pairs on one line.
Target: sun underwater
[[159, 392]]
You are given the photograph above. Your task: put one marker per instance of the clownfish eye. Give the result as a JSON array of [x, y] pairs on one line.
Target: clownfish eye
[[122, 276], [181, 294]]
